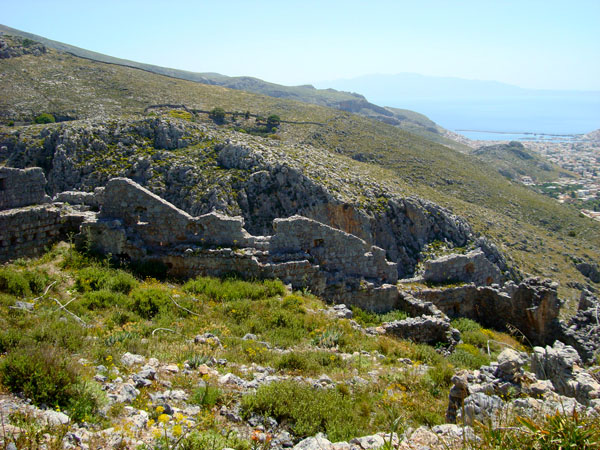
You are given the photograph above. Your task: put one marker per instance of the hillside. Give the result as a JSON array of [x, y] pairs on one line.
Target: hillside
[[541, 236], [514, 161], [344, 101]]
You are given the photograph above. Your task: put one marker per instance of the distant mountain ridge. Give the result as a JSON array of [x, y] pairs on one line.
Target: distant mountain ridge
[[461, 104], [344, 101]]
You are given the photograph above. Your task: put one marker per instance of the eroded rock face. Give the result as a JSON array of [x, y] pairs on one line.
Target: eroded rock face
[[582, 331], [531, 307], [424, 329], [13, 47], [22, 187], [562, 365]]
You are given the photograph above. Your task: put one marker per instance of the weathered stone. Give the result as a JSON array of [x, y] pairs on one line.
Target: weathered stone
[[129, 359], [481, 407], [20, 188], [532, 307], [582, 331], [458, 392], [510, 363], [561, 365], [472, 267], [423, 329], [341, 267], [318, 442]]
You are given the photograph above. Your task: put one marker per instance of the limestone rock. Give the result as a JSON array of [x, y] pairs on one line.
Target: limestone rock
[[472, 267]]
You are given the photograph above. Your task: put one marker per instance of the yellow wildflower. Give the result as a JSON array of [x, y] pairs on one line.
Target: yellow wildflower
[[177, 430], [160, 409], [164, 418]]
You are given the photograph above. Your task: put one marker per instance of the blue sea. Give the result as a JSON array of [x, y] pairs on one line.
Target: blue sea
[[515, 118]]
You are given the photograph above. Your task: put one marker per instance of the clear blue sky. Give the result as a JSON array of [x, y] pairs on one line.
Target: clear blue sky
[[530, 43]]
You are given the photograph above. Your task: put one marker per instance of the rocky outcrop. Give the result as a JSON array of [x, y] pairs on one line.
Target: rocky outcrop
[[13, 47], [22, 187], [530, 308], [424, 329], [557, 384], [590, 271], [237, 175], [562, 365], [582, 331]]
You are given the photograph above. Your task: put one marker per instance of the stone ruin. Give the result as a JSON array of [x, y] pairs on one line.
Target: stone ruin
[[473, 267], [28, 221], [136, 225]]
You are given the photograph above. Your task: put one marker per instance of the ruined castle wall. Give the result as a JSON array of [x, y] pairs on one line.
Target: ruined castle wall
[[22, 187], [334, 250], [472, 267], [160, 223], [26, 232]]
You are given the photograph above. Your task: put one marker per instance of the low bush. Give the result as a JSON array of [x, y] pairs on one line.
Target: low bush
[[206, 396], [370, 319], [45, 118], [41, 372], [468, 356], [233, 289], [147, 302], [309, 362], [309, 411], [22, 283], [102, 299], [97, 278]]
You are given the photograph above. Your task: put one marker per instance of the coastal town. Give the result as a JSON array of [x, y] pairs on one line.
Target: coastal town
[[581, 158]]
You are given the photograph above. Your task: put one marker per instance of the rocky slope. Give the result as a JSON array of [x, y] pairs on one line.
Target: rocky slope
[[202, 168]]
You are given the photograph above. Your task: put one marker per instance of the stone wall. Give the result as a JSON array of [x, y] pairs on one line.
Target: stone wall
[[22, 187], [25, 232], [472, 267], [134, 223]]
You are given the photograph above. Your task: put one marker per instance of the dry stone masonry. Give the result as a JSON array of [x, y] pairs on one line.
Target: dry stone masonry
[[136, 224], [24, 229]]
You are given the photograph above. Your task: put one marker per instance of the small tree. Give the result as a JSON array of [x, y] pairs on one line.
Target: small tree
[[273, 121], [45, 118], [218, 115]]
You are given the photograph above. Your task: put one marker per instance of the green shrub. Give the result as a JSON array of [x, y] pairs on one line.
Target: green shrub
[[45, 118], [206, 396], [441, 374], [41, 372], [97, 278], [463, 325], [468, 357], [217, 114], [233, 289], [308, 410], [102, 299], [292, 361], [14, 282], [370, 319], [149, 301]]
